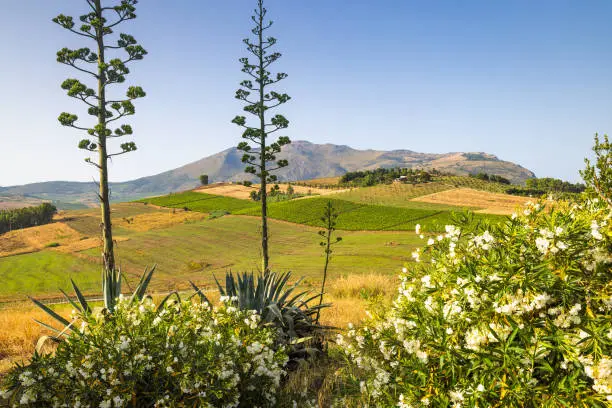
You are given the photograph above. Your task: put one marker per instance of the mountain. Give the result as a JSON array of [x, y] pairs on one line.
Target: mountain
[[306, 161]]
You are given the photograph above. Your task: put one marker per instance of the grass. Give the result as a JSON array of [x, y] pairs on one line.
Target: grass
[[200, 202], [193, 251], [42, 273], [197, 249], [362, 217]]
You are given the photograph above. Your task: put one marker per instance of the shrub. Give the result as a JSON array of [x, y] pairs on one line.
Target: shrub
[[279, 304], [185, 354], [513, 315]]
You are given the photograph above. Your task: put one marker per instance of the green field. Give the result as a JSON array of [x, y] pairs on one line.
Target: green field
[[200, 202], [399, 215], [362, 217], [44, 273], [197, 250], [377, 239]]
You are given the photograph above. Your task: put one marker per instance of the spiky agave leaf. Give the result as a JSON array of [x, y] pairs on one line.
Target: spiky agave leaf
[[278, 303]]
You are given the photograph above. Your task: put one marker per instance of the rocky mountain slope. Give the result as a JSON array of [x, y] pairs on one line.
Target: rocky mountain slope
[[307, 161]]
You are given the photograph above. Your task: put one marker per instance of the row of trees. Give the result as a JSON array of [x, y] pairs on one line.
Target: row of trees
[[490, 177], [548, 185], [26, 217], [381, 175]]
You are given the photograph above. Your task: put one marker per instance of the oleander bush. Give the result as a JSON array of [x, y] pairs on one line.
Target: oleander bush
[[512, 315], [182, 354]]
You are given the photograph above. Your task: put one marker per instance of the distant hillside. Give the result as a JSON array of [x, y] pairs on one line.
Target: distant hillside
[[307, 161]]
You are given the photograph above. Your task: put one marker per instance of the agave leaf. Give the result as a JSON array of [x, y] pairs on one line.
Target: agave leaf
[[221, 290], [201, 294], [46, 326], [141, 289], [295, 299], [166, 298], [275, 311], [72, 302], [84, 305], [69, 327], [299, 340], [50, 312]]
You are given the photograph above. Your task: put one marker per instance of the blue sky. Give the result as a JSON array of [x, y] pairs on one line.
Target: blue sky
[[529, 81]]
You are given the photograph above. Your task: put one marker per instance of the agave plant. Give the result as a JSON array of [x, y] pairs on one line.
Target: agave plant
[[278, 303], [111, 289]]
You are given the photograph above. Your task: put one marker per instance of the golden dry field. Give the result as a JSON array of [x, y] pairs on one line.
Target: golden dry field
[[350, 297], [484, 201]]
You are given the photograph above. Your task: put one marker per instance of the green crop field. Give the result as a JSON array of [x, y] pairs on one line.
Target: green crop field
[[44, 272], [476, 184], [197, 250], [362, 217], [200, 202]]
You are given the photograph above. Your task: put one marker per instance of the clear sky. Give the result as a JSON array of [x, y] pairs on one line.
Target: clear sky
[[529, 81]]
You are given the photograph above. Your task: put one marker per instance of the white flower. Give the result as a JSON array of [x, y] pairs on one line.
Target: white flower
[[417, 229]]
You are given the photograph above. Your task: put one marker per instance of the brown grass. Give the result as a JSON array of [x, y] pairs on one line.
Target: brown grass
[[369, 285], [489, 203], [19, 332], [157, 220], [36, 238]]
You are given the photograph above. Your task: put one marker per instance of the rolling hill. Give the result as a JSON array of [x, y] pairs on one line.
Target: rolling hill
[[307, 161]]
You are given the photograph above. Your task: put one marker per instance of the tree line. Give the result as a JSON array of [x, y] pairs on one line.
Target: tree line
[[366, 178], [26, 217], [549, 184]]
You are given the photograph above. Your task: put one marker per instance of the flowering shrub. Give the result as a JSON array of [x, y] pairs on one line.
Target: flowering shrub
[[516, 315], [186, 354]]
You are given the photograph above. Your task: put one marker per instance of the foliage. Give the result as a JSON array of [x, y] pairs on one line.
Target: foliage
[[517, 314], [111, 292], [184, 354], [98, 27], [491, 177], [598, 176], [26, 217], [552, 185], [278, 303], [382, 175], [478, 157], [259, 153], [204, 179], [329, 218]]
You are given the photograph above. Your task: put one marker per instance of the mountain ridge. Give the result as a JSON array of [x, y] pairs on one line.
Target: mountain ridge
[[306, 161]]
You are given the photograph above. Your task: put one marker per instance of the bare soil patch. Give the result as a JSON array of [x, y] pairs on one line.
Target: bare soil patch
[[489, 203]]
